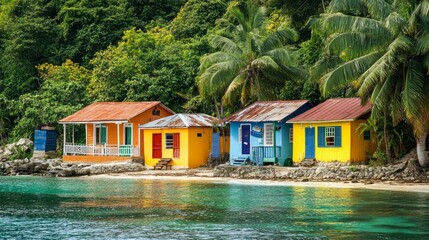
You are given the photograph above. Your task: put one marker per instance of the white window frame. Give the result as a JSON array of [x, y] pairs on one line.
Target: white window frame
[[291, 135], [166, 145], [128, 125], [330, 133], [268, 129]]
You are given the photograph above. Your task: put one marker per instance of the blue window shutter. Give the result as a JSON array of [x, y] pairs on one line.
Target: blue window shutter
[[321, 136], [337, 136]]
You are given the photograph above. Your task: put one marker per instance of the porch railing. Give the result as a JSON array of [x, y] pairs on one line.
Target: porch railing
[[262, 153], [101, 150]]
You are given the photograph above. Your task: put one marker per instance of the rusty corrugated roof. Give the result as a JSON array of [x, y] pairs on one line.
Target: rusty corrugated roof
[[267, 111], [182, 121], [337, 109], [111, 111]]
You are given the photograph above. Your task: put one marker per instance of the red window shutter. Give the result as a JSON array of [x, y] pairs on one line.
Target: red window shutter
[[156, 145], [176, 145]]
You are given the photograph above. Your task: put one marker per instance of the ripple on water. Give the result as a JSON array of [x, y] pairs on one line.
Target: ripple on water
[[51, 208]]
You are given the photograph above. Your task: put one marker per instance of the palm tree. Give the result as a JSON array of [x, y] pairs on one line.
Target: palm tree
[[385, 55], [251, 63]]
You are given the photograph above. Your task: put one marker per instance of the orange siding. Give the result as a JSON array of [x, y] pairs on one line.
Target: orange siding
[[94, 159], [146, 117]]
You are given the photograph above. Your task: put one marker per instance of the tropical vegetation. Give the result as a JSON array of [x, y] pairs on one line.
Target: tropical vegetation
[[216, 56]]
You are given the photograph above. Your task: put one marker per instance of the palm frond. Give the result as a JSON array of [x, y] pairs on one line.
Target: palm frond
[[414, 95], [348, 71], [350, 45], [226, 44], [347, 6], [422, 45], [340, 23]]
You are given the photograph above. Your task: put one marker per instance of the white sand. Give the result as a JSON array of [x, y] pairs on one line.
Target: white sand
[[390, 186]]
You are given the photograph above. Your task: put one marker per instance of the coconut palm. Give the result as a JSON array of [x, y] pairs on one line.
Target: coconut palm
[[251, 63], [385, 55]]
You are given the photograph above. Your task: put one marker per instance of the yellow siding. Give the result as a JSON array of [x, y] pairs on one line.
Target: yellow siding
[[182, 161], [361, 148], [199, 147], [324, 154], [224, 144]]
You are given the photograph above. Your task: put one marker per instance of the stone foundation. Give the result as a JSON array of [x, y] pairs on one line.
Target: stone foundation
[[406, 171]]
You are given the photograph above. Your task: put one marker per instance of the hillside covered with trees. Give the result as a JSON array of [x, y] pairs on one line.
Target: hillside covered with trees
[[215, 56]]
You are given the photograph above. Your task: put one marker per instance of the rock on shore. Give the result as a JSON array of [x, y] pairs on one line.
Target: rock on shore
[[56, 168], [405, 171]]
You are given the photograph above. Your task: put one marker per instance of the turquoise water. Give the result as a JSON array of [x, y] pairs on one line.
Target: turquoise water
[[77, 208]]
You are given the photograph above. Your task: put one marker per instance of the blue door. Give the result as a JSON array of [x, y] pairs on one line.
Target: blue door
[[309, 142], [245, 139]]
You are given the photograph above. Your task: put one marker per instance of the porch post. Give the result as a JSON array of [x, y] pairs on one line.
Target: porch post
[[86, 134], [274, 142], [117, 130], [94, 138], [73, 134], [64, 143]]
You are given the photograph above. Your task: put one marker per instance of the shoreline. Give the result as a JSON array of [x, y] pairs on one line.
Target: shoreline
[[386, 186]]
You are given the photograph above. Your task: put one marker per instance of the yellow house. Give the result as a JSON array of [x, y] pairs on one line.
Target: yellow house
[[328, 132], [111, 131], [185, 138]]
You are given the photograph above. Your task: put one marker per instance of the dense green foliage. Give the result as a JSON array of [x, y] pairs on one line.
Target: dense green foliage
[[58, 56]]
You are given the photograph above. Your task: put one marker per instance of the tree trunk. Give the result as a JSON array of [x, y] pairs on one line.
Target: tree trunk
[[386, 139], [421, 150]]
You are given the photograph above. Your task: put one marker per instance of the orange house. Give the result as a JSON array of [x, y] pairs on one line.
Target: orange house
[[111, 130]]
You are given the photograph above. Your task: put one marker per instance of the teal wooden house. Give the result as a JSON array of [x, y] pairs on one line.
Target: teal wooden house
[[260, 135]]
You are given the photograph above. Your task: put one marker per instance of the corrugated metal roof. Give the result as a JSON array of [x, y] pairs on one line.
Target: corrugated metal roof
[[266, 111], [337, 109], [111, 111], [182, 121]]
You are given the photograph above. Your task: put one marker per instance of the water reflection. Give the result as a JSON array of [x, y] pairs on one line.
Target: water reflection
[[129, 208]]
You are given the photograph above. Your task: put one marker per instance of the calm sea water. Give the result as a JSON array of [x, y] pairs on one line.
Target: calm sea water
[[55, 208]]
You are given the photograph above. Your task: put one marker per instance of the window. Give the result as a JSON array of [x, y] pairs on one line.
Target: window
[[168, 140], [199, 134], [291, 134], [268, 134], [100, 134], [172, 141], [330, 136], [366, 135]]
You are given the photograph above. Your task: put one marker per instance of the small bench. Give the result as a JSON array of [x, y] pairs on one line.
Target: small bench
[[163, 162]]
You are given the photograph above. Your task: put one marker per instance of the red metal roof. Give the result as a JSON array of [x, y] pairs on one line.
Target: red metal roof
[[266, 111], [111, 111], [337, 109], [182, 121]]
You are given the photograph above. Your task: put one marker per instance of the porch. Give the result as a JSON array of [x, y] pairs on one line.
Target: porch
[[259, 156], [101, 150], [265, 154]]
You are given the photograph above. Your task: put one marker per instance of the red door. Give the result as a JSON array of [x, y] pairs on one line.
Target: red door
[[176, 145], [156, 145]]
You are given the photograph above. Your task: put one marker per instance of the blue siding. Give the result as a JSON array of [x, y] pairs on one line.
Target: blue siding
[[282, 140], [45, 140], [282, 137]]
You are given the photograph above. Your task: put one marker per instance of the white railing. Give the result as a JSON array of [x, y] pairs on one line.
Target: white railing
[[101, 150]]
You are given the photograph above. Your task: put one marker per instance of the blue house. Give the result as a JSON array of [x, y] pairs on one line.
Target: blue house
[[260, 128]]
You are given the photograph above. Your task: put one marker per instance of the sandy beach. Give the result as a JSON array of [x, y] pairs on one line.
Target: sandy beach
[[206, 175]]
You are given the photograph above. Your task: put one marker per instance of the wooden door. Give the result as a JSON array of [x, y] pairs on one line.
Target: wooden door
[[156, 145], [309, 142]]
